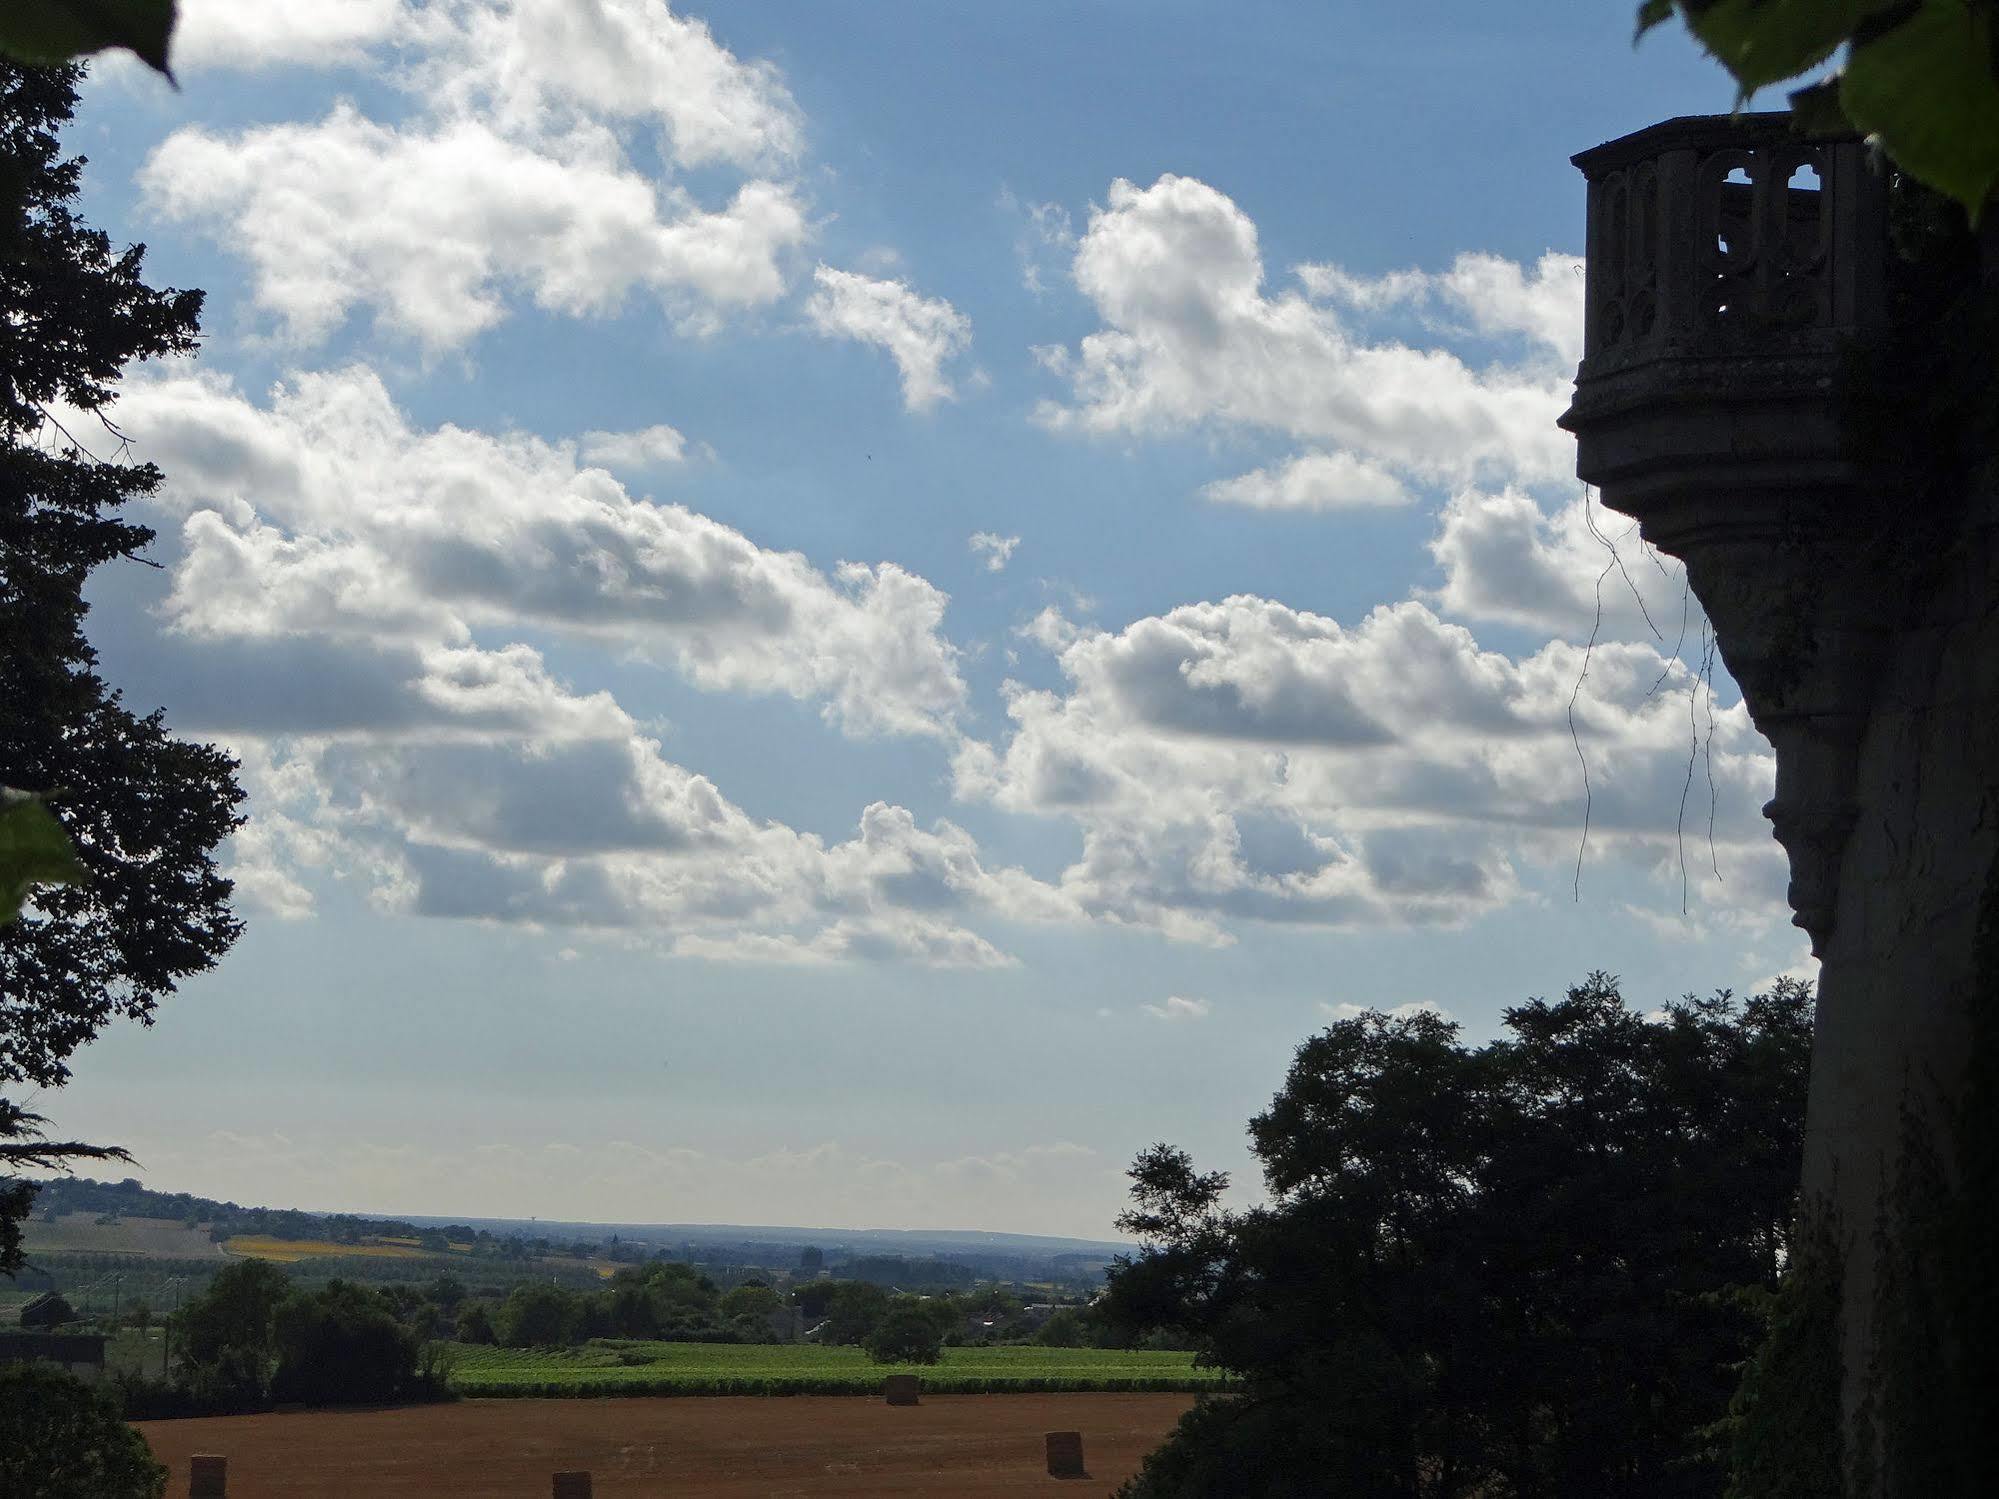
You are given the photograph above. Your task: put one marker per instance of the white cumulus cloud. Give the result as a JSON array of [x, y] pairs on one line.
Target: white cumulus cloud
[[657, 446], [1577, 572], [997, 550], [1312, 481], [356, 604], [539, 67], [1191, 335], [256, 33], [1246, 760], [324, 513], [1484, 293], [496, 792], [921, 334], [433, 227], [516, 173]]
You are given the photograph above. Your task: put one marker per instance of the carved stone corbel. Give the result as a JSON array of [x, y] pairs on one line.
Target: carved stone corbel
[[1729, 261]]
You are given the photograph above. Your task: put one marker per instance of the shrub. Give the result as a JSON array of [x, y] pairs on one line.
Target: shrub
[[343, 1346], [59, 1439], [536, 1316], [475, 1323], [142, 1399], [1063, 1330], [907, 1335], [853, 1310], [225, 1334], [1238, 1447], [435, 1364], [750, 1301]]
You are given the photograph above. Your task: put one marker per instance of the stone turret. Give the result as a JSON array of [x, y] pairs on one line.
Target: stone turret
[[1738, 274], [1729, 263]]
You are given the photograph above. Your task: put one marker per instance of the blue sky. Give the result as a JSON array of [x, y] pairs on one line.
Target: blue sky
[[845, 614]]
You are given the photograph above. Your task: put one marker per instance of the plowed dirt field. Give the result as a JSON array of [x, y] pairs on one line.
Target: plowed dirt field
[[949, 1447]]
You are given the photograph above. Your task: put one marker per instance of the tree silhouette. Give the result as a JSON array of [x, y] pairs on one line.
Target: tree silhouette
[[144, 810], [1524, 1268]]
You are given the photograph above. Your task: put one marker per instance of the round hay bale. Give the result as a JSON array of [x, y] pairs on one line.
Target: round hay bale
[[207, 1476], [1065, 1455]]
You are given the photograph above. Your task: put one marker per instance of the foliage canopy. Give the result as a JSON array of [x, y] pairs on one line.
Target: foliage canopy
[[342, 1346], [1516, 1269], [143, 812], [252, 1336], [61, 1440], [1920, 75], [45, 32], [907, 1334]]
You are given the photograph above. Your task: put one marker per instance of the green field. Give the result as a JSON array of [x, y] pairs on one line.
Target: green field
[[618, 1366]]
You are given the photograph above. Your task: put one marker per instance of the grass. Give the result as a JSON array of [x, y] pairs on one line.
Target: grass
[[617, 1366]]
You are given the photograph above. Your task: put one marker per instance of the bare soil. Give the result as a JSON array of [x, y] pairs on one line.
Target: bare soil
[[770, 1447]]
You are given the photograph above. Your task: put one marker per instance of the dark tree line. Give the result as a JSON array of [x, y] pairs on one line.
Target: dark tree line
[[1529, 1268], [665, 1300], [253, 1338]]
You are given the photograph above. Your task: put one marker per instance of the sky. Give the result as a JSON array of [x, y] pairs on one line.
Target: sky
[[845, 614]]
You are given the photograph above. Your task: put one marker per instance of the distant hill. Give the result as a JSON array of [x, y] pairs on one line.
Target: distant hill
[[905, 1241], [906, 1257]]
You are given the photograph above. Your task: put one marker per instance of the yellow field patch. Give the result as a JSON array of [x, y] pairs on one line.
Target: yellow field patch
[[451, 1246], [290, 1251]]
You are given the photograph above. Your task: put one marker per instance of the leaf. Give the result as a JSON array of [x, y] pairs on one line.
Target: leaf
[[54, 31], [1927, 89], [1921, 76], [1766, 41], [34, 850], [1652, 13]]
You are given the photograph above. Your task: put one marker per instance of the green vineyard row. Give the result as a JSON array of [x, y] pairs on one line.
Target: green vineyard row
[[636, 1368]]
